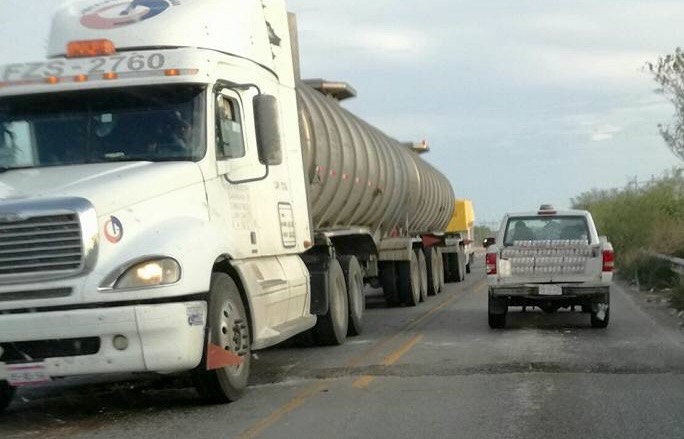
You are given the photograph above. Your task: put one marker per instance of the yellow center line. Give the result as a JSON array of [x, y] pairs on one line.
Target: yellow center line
[[314, 389], [365, 380]]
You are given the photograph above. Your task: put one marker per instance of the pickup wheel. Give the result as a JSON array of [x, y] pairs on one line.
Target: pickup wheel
[[598, 323], [409, 280], [497, 321], [331, 328], [422, 271], [6, 395], [229, 329], [390, 285], [432, 259], [353, 276], [496, 318]]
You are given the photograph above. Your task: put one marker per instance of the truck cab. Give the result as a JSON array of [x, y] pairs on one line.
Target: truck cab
[[153, 204]]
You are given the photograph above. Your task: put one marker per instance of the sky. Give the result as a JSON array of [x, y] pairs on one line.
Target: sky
[[522, 102]]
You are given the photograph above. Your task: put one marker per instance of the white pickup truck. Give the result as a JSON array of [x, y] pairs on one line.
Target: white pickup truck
[[550, 259]]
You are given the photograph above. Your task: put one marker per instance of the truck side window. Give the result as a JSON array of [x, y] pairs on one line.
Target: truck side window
[[229, 138]]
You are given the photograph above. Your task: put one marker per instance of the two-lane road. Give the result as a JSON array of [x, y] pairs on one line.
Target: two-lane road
[[432, 371]]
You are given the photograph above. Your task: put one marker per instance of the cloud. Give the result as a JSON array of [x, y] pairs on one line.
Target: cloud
[[604, 132]]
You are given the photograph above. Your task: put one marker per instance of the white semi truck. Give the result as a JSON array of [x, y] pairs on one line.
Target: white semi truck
[[173, 197]]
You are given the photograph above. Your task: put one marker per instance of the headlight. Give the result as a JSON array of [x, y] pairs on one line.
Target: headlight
[[146, 273]]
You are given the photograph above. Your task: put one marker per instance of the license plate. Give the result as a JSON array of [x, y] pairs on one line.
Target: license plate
[[26, 373], [550, 290]]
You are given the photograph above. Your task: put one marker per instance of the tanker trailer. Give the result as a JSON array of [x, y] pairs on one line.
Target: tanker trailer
[[373, 199]]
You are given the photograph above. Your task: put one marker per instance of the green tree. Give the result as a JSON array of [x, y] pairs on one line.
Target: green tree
[[668, 72]]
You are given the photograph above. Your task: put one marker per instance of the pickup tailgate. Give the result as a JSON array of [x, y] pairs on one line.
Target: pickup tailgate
[[561, 261]]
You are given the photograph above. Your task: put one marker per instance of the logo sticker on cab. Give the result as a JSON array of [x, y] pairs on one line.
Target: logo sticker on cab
[[113, 230], [115, 13]]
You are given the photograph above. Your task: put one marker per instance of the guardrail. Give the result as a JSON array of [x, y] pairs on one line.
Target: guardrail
[[677, 263]]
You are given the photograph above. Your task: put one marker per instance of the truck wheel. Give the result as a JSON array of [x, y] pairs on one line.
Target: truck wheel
[[6, 395], [440, 270], [331, 328], [229, 329], [598, 323], [409, 280], [353, 276], [388, 279], [422, 271], [456, 268], [449, 261], [432, 263]]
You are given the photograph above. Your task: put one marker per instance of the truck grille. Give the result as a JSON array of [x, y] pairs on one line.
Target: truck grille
[[40, 245]]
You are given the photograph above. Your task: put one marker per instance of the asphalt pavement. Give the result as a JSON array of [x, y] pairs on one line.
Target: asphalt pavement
[[433, 371]]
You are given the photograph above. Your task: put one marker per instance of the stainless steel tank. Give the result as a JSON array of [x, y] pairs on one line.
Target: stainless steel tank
[[358, 176]]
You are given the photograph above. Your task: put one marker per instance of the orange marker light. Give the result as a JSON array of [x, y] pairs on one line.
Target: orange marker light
[[80, 49], [172, 72], [52, 80], [80, 78], [110, 75]]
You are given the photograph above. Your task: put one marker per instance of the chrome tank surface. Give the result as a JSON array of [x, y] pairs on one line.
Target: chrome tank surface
[[358, 176]]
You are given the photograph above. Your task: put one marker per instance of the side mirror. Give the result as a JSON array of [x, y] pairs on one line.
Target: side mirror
[[267, 124], [488, 242]]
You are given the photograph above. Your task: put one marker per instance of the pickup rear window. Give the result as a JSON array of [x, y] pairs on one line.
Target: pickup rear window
[[526, 230]]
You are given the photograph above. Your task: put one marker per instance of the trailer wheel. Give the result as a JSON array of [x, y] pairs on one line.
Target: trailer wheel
[[422, 272], [6, 395], [409, 280], [453, 271], [432, 261], [440, 270], [460, 267], [353, 276], [229, 329], [388, 279], [331, 328]]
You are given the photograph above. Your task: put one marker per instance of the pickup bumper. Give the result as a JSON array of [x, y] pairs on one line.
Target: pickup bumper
[[533, 295], [138, 338]]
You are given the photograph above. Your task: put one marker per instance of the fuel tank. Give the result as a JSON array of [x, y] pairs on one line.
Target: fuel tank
[[360, 177]]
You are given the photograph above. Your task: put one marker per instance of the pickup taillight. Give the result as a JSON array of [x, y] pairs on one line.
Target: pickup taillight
[[608, 260], [491, 263]]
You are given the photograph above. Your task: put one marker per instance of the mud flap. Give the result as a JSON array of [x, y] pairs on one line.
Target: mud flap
[[218, 357]]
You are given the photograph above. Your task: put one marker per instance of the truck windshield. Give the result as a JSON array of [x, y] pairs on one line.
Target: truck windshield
[[530, 231], [151, 123]]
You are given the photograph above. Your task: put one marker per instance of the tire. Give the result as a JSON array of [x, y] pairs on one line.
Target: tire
[[423, 273], [331, 328], [461, 267], [440, 270], [6, 395], [469, 264], [228, 328], [450, 261], [586, 309], [409, 280], [598, 323], [353, 276], [390, 285], [433, 267], [497, 321]]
